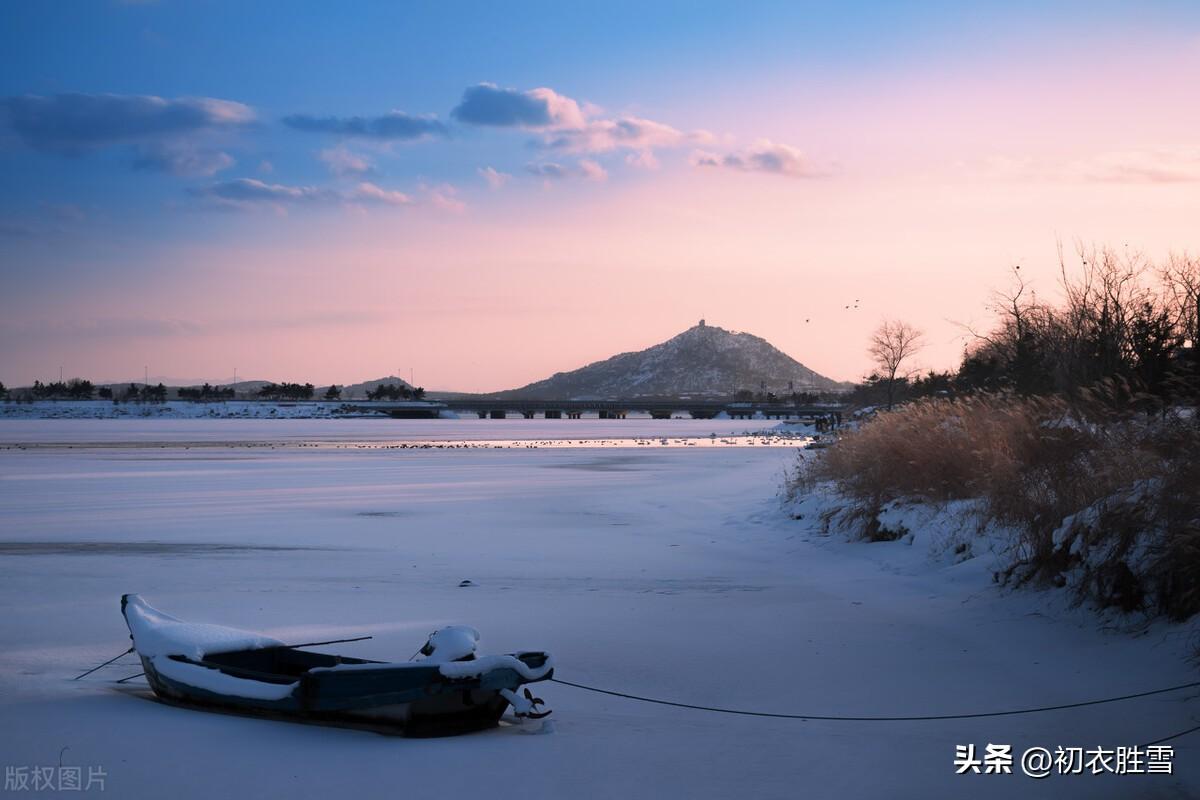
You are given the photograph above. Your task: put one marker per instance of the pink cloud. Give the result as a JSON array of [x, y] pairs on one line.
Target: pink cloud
[[445, 197], [763, 156], [495, 179]]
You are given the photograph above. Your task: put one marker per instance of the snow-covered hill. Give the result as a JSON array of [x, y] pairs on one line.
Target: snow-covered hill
[[704, 360]]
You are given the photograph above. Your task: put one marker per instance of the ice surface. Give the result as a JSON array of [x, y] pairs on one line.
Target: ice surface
[[666, 572]]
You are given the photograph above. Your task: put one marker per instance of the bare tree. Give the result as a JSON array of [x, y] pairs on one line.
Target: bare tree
[[893, 345]]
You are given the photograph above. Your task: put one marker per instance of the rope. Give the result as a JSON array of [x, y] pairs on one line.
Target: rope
[[914, 718], [105, 664], [1172, 736]]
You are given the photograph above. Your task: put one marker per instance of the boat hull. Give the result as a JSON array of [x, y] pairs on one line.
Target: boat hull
[[267, 678]]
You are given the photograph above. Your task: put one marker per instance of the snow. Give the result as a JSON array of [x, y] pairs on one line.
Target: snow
[[478, 666], [214, 680], [669, 572], [157, 634], [451, 643]]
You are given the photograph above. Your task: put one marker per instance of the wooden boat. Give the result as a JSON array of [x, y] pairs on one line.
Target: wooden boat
[[451, 691]]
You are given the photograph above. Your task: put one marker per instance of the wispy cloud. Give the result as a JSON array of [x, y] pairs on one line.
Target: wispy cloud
[[552, 170], [137, 327], [342, 162], [763, 156], [181, 158], [1140, 166], [1146, 166], [71, 124], [392, 126], [592, 170], [445, 197], [629, 133], [369, 193], [495, 179], [251, 194]]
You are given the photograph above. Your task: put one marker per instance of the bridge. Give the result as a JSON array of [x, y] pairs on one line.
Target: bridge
[[658, 408]]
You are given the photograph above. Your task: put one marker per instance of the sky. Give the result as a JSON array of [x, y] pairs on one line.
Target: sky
[[482, 194]]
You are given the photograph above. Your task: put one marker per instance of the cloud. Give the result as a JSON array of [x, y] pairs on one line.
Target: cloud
[[551, 170], [644, 159], [488, 104], [564, 124], [49, 221], [371, 194], [15, 229], [631, 133], [392, 126], [1140, 166], [181, 158], [494, 178], [763, 156], [71, 124], [343, 162], [592, 170], [249, 194], [251, 190], [445, 197], [1150, 166], [548, 169]]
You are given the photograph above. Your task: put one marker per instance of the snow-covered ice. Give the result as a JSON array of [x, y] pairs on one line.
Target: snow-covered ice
[[670, 572]]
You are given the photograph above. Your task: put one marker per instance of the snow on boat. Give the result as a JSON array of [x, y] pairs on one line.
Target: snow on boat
[[451, 691]]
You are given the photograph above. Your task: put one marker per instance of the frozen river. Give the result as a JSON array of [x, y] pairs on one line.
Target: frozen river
[[668, 570]]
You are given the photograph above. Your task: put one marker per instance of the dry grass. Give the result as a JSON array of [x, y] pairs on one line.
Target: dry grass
[[1038, 463]]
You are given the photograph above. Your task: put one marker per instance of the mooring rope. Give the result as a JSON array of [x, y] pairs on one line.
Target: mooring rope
[[910, 718], [1172, 737]]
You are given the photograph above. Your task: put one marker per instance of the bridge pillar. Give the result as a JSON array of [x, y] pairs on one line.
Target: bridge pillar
[[553, 413], [527, 414], [574, 415], [482, 414], [497, 414]]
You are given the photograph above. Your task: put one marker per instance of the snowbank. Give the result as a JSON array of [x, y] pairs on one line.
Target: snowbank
[[173, 409]]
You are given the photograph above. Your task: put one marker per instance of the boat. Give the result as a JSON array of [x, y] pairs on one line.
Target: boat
[[451, 690]]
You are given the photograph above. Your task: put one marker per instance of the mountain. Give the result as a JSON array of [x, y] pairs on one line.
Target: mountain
[[703, 361], [358, 391]]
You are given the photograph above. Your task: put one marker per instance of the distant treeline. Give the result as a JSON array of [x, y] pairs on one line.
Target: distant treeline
[[286, 391], [206, 392], [389, 391], [80, 389]]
